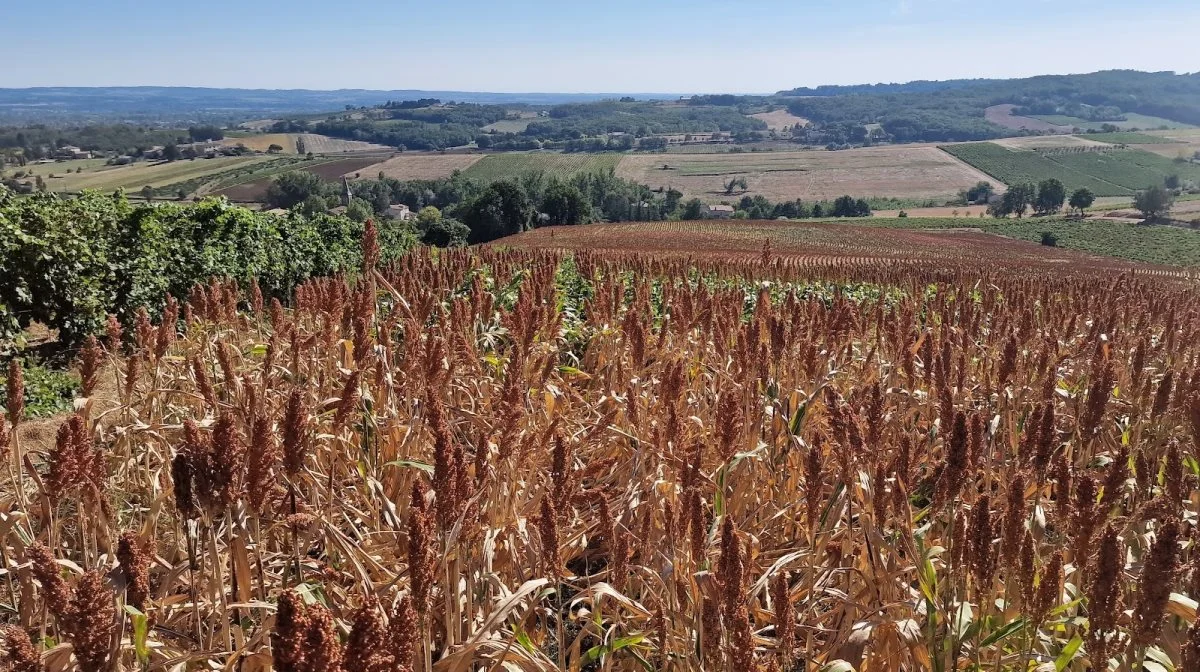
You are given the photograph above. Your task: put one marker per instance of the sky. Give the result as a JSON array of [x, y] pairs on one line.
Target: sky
[[659, 46]]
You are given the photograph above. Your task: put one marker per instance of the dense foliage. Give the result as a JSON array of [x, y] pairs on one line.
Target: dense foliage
[[36, 142], [954, 110], [68, 263]]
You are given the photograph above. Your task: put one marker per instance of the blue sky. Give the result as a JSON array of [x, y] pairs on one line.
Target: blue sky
[[569, 46]]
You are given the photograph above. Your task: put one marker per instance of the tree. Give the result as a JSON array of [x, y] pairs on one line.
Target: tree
[[148, 192], [359, 210], [565, 204], [301, 147], [1050, 197], [440, 231], [693, 209], [736, 183], [847, 206], [274, 149], [483, 141], [1154, 202], [501, 210], [1082, 199], [1171, 182], [1049, 239], [171, 152], [1017, 199], [294, 187]]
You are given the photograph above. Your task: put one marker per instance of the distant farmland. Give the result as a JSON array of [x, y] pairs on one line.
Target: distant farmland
[[904, 172], [1113, 172], [137, 175], [317, 144], [421, 166], [495, 167]]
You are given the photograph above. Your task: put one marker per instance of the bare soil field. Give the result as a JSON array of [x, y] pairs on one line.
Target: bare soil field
[[779, 118], [900, 172], [420, 166], [317, 144], [1002, 115]]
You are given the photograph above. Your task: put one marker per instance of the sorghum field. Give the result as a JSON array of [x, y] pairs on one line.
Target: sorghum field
[[540, 459]]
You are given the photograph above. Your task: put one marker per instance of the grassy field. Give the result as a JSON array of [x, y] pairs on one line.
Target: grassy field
[[1047, 142], [1130, 138], [138, 175], [505, 166], [1015, 166], [1133, 120], [906, 172], [409, 166]]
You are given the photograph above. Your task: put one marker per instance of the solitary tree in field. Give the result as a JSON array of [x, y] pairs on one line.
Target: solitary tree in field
[[1154, 202], [1050, 197], [148, 192], [1082, 199], [300, 146]]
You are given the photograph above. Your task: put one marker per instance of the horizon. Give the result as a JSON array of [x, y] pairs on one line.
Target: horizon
[[665, 47], [579, 93]]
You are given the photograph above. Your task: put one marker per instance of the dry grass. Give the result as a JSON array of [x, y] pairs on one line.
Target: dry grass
[[902, 172], [410, 166], [137, 175], [1047, 142], [778, 119], [884, 458]]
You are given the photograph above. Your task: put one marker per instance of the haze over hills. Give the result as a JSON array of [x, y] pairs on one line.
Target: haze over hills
[[182, 104]]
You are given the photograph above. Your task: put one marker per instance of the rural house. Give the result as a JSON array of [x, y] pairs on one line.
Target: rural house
[[72, 152], [399, 211], [720, 211]]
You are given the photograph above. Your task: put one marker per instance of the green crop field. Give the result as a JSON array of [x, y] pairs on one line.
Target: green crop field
[[1152, 244], [1129, 138], [512, 166], [1130, 168], [1016, 166]]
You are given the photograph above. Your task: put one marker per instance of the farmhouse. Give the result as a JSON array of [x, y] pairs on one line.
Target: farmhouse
[[399, 211], [72, 152], [720, 211]]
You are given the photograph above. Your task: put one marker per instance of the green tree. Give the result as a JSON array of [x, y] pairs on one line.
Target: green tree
[[501, 210], [1018, 198], [1154, 202], [171, 152], [359, 210], [294, 187], [1050, 197], [1082, 199], [147, 192], [1171, 182], [565, 204], [301, 146], [275, 149], [693, 209]]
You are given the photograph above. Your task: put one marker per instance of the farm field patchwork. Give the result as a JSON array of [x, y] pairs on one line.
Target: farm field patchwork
[[410, 166], [513, 165], [1130, 138], [914, 172], [1130, 168], [253, 188], [1002, 115], [313, 142], [156, 174]]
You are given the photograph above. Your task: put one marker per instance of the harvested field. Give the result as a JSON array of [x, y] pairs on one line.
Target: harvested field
[[332, 171], [317, 144], [516, 125], [410, 166], [778, 119], [901, 172], [1002, 115]]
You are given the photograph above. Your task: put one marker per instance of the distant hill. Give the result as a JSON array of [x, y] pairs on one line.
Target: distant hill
[[177, 105], [966, 109]]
